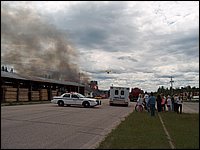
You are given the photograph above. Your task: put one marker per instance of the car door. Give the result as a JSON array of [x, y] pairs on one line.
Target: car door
[[75, 99], [116, 94], [67, 99], [122, 94], [119, 94]]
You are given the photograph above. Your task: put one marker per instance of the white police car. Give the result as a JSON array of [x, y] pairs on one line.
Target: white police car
[[74, 98]]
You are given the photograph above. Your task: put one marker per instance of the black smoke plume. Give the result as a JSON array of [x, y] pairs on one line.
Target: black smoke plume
[[35, 47]]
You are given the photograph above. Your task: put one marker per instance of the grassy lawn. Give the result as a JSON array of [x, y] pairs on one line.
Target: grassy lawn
[[183, 129], [141, 131]]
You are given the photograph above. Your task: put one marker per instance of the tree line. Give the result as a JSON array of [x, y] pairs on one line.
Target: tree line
[[186, 91]]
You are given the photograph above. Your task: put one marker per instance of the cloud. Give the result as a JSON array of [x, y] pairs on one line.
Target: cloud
[[140, 42], [126, 58], [97, 25]]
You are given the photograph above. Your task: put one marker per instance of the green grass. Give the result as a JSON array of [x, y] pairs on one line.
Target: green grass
[[183, 129], [141, 131]]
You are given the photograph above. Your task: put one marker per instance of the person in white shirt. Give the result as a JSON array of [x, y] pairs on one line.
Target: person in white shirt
[[169, 103], [140, 100], [138, 106], [179, 104]]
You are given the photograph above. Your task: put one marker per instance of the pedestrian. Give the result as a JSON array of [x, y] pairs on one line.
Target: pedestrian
[[165, 99], [179, 104], [189, 96], [172, 99], [152, 101], [140, 100], [146, 99], [163, 103], [175, 102], [158, 100], [169, 103]]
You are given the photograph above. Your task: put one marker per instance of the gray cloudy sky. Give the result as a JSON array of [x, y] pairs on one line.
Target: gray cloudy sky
[[142, 43]]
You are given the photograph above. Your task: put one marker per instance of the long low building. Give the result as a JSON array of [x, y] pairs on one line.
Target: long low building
[[16, 87]]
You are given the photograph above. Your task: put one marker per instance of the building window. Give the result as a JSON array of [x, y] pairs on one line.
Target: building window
[[122, 92], [116, 92]]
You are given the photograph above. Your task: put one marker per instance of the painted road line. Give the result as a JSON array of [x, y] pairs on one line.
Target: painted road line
[[167, 133]]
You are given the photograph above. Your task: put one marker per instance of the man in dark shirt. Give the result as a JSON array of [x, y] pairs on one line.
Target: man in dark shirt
[[152, 102]]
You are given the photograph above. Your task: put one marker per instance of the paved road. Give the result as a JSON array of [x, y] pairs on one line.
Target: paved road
[[47, 126], [191, 107]]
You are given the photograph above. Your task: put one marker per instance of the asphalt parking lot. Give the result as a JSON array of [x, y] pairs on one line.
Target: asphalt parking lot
[[47, 126]]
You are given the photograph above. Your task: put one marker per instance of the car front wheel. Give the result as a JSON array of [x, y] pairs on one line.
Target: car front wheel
[[86, 104], [60, 103]]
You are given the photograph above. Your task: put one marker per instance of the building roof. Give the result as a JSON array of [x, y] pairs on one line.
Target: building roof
[[13, 75]]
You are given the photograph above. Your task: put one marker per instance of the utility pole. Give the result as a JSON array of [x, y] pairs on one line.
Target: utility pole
[[171, 81], [79, 76]]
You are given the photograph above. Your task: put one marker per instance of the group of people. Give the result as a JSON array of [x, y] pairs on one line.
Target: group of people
[[164, 103], [169, 103]]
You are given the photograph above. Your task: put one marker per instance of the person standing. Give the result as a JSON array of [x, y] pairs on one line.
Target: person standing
[[139, 103], [163, 103], [146, 99], [172, 99], [179, 104], [175, 102], [159, 99], [152, 102], [169, 103], [140, 100]]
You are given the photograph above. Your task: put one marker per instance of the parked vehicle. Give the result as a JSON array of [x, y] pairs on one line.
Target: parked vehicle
[[74, 98], [119, 95], [135, 93], [196, 98]]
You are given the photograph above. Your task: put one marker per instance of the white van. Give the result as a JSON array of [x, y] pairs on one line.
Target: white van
[[119, 95]]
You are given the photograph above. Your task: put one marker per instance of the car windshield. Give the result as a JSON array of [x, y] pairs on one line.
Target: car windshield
[[80, 95]]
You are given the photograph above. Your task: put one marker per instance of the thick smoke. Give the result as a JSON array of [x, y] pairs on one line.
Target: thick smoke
[[35, 47]]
